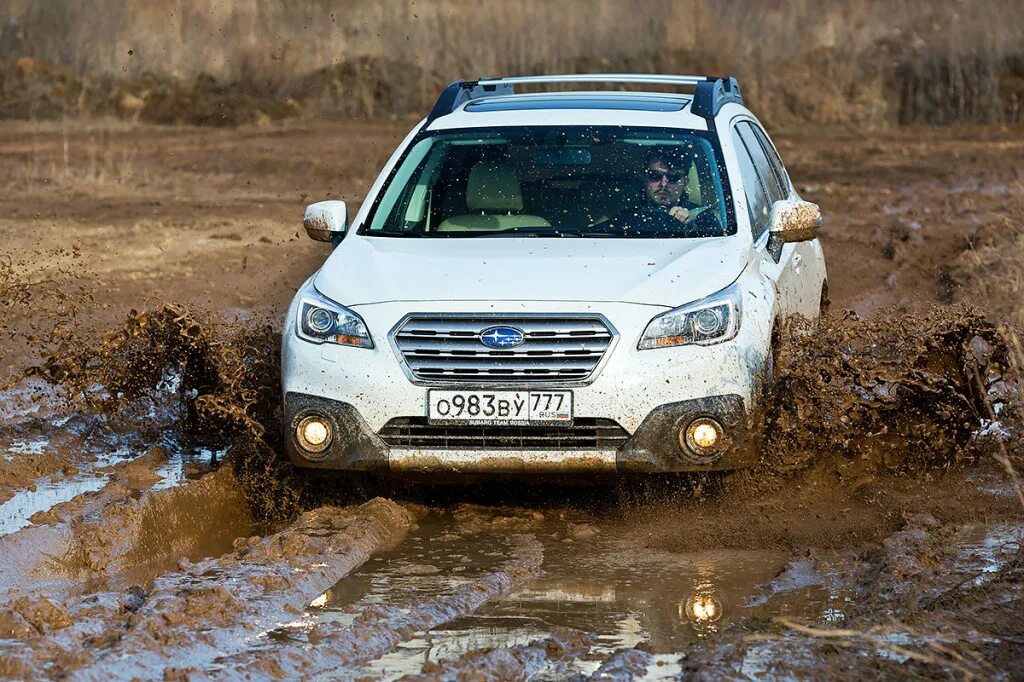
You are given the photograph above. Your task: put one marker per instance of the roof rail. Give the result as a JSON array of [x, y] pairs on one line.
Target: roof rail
[[710, 92]]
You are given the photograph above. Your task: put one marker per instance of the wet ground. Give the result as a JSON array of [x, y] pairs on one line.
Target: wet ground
[[149, 528], [592, 582]]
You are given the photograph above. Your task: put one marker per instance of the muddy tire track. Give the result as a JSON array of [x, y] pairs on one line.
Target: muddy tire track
[[507, 664], [192, 616], [622, 666], [39, 556], [124, 534], [377, 630], [210, 610], [136, 539]]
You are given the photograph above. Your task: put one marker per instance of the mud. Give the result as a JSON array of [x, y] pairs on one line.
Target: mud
[[219, 382], [933, 600], [889, 393], [154, 528], [137, 538], [624, 665], [520, 662], [45, 553], [339, 647], [229, 599]]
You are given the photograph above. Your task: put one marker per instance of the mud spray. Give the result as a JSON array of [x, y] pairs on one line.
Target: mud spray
[[895, 394], [215, 383]]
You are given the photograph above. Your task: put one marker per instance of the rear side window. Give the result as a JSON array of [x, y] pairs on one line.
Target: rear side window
[[774, 159], [768, 176], [758, 203]]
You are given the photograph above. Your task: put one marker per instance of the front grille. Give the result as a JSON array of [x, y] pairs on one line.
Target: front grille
[[584, 434], [447, 348]]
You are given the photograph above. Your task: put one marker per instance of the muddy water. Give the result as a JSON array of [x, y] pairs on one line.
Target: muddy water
[[90, 454], [593, 580]]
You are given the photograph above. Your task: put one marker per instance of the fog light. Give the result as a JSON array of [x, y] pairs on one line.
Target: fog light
[[313, 434], [703, 436]]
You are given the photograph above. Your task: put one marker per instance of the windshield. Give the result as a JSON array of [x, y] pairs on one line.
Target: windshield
[[556, 181]]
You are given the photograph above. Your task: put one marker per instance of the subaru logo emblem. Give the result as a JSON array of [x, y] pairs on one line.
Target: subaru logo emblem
[[502, 337]]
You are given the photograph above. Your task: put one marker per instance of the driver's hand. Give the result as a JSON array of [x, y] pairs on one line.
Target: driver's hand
[[679, 213]]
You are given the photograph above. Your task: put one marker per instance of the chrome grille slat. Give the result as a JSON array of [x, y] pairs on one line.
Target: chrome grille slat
[[504, 371], [473, 344], [486, 363], [555, 348], [529, 325], [584, 434], [497, 355]]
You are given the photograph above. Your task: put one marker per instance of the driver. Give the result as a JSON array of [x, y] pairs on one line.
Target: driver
[[664, 181], [663, 206]]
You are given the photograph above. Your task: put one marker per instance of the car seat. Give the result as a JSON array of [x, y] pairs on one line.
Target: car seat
[[494, 198]]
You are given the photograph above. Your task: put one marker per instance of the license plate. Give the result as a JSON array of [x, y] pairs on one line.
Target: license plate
[[500, 407]]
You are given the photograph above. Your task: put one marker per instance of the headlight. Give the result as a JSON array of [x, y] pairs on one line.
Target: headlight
[[710, 320], [324, 321]]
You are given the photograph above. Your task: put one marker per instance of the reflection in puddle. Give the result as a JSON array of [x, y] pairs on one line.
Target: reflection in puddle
[[94, 452], [16, 512], [606, 587], [703, 609]]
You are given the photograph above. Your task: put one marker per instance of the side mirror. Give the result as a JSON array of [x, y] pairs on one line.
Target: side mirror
[[326, 221], [793, 220]]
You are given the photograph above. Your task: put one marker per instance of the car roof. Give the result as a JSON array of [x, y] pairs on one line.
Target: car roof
[[494, 102], [644, 109]]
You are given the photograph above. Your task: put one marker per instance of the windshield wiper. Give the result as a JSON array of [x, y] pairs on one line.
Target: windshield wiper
[[534, 232], [392, 233]]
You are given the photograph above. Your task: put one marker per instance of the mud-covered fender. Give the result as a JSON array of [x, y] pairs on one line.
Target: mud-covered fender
[[760, 312]]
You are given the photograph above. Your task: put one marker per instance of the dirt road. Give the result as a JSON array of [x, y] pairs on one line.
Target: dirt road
[[148, 527]]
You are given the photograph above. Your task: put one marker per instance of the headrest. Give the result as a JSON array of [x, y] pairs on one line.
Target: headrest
[[493, 187]]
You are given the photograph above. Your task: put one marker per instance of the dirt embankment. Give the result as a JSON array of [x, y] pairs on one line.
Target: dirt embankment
[[202, 63]]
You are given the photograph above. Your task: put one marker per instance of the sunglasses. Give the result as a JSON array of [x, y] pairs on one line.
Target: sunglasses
[[673, 177]]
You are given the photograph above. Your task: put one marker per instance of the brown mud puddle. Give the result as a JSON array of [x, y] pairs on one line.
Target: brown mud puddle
[[593, 580], [85, 453]]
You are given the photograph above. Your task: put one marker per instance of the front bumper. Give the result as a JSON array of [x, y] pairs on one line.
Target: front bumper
[[653, 447]]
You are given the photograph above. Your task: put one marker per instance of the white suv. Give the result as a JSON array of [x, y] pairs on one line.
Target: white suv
[[554, 283]]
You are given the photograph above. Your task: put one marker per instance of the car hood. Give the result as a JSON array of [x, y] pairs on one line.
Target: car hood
[[664, 272]]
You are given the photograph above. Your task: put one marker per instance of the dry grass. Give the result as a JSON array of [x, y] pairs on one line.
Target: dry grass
[[827, 61], [936, 650], [90, 166], [992, 269]]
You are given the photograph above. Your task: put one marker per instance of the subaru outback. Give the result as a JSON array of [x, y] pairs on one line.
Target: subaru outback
[[554, 282]]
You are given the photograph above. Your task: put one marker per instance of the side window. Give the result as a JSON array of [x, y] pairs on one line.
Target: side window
[[764, 168], [758, 203], [774, 159]]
